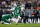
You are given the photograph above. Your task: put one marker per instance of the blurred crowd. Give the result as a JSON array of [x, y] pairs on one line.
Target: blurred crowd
[[10, 4], [28, 7]]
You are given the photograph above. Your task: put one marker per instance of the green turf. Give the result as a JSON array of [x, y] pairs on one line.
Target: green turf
[[19, 25]]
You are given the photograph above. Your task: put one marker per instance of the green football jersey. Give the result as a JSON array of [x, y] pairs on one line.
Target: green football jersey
[[7, 17], [17, 11]]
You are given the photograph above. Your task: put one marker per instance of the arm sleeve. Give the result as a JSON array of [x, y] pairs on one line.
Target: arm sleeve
[[10, 16]]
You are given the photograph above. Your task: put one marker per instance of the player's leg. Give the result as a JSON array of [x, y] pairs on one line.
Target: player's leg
[[19, 16], [8, 21], [19, 19], [5, 21], [15, 20]]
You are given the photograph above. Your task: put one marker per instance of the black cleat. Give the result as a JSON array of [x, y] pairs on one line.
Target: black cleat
[[2, 23]]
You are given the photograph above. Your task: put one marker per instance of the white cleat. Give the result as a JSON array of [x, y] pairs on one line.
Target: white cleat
[[6, 23]]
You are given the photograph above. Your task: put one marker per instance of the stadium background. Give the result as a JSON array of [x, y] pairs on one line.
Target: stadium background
[[7, 5]]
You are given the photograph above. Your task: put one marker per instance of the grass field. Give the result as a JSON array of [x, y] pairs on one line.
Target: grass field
[[19, 25]]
